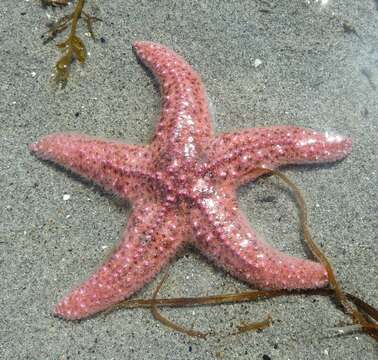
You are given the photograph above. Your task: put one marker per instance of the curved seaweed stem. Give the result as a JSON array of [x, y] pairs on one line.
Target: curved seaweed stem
[[357, 317], [242, 328], [165, 321]]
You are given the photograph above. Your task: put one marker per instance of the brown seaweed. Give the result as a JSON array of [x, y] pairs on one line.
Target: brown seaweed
[[260, 325], [55, 3], [356, 315], [73, 47], [165, 321], [242, 328]]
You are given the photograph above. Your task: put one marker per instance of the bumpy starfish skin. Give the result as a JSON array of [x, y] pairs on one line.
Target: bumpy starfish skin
[[182, 187]]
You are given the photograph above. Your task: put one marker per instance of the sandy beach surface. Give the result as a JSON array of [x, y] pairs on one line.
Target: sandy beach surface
[[306, 63]]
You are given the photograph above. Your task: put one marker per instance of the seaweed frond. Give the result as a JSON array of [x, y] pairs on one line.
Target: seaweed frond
[[73, 47], [60, 3]]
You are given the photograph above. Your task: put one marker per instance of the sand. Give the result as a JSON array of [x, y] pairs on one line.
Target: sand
[[306, 63]]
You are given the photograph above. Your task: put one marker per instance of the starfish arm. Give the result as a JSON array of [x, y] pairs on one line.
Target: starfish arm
[[120, 168], [223, 234], [236, 155], [184, 126], [153, 235]]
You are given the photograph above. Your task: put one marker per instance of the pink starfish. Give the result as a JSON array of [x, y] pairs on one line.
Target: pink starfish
[[182, 188]]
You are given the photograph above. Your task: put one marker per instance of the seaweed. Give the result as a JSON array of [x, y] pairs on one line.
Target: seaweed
[[363, 315], [358, 317], [60, 3], [259, 325], [242, 328], [73, 47], [165, 321]]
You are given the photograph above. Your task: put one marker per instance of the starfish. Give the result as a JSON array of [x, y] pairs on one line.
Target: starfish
[[182, 187]]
